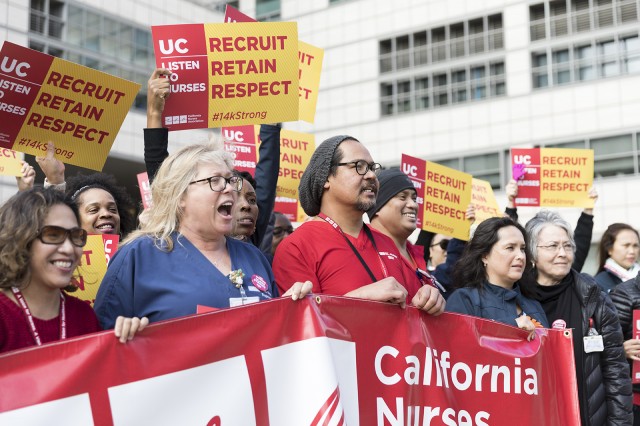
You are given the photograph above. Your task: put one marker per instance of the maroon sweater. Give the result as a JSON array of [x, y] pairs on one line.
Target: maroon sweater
[[15, 332]]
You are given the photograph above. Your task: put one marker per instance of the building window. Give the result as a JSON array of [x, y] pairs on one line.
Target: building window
[[432, 86], [109, 44], [567, 17], [587, 60], [267, 10], [440, 88], [458, 40], [613, 156]]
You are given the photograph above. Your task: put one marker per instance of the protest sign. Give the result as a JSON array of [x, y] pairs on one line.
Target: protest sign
[[10, 162], [443, 196], [295, 153], [554, 177], [484, 201], [310, 68], [43, 98], [93, 265], [291, 208], [364, 362], [145, 190], [226, 75], [310, 58], [240, 141]]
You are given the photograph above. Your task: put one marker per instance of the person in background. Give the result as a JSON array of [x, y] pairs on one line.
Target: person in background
[[181, 256], [282, 229], [105, 207], [626, 298], [581, 235], [335, 250], [395, 215], [574, 300], [40, 248], [252, 212], [618, 253], [488, 274]]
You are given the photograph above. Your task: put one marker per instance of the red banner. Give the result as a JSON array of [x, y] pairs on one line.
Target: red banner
[[322, 360]]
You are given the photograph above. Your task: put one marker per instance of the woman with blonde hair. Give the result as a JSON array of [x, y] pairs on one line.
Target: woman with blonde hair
[[181, 256]]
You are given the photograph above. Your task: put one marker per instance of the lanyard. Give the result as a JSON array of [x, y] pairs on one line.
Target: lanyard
[[424, 277], [27, 313], [355, 251]]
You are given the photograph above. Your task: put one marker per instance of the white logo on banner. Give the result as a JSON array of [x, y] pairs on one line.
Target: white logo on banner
[[312, 382], [206, 395], [72, 411]]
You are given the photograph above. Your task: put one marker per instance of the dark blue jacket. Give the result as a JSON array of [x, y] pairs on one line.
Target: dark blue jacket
[[495, 303]]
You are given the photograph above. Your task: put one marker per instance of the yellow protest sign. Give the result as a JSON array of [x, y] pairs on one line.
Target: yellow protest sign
[[253, 72], [10, 162], [295, 153], [447, 194], [310, 58], [93, 265], [484, 200], [78, 108], [566, 176]]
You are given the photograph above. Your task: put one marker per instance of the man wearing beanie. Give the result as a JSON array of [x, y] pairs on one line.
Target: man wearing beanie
[[395, 215], [335, 250]]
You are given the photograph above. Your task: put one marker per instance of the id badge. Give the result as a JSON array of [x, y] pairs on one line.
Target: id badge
[[239, 301], [593, 344]]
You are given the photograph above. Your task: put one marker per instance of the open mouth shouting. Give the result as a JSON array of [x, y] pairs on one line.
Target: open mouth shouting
[[225, 208]]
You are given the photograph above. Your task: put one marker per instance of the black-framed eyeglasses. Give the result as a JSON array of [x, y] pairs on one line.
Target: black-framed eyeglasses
[[279, 230], [443, 243], [219, 183], [362, 167], [50, 234]]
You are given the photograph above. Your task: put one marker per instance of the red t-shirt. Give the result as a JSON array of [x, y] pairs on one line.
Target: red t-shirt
[[319, 253], [15, 332]]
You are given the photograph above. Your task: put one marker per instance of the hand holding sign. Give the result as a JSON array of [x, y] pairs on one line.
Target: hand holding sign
[[518, 171], [52, 168], [158, 90], [25, 182]]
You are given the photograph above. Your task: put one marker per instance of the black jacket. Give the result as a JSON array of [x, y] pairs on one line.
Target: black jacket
[[607, 381], [607, 281], [626, 298]]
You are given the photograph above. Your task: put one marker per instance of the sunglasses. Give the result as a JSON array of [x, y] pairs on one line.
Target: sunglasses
[[277, 231], [444, 243], [50, 234]]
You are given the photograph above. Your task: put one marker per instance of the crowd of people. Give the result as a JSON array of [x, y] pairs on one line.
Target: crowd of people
[[212, 238]]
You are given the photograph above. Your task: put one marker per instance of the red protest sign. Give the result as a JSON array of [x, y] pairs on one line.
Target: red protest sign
[[365, 362], [145, 189], [240, 141]]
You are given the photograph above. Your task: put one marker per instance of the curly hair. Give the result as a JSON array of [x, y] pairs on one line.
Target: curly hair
[[76, 185], [469, 270], [608, 240], [21, 218]]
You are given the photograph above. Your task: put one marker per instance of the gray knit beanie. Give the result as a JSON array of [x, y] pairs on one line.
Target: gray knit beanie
[[391, 183], [316, 174]]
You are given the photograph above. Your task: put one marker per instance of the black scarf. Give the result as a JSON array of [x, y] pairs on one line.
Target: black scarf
[[560, 301]]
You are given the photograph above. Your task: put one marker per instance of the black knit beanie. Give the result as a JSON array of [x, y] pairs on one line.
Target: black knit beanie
[[316, 174], [391, 182]]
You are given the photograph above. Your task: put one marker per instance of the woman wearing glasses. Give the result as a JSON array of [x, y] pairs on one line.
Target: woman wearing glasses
[[180, 257], [40, 247], [573, 300]]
